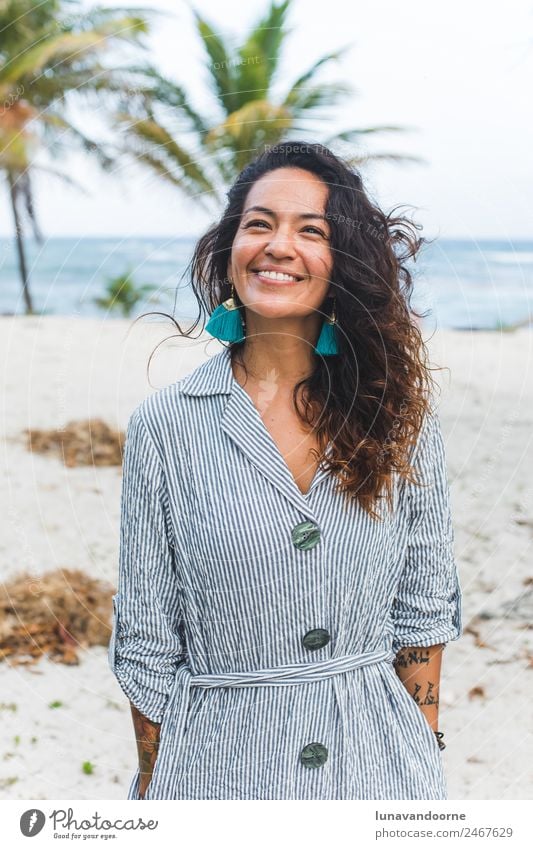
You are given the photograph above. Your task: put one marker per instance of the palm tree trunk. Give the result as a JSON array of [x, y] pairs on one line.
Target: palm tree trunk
[[20, 246]]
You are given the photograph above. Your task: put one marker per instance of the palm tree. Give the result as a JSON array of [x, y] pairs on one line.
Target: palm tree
[[203, 154], [52, 55], [123, 294]]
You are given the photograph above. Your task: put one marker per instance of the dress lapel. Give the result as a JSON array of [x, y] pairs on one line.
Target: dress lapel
[[242, 423]]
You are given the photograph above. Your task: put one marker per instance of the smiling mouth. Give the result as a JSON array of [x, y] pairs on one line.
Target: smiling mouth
[[276, 276]]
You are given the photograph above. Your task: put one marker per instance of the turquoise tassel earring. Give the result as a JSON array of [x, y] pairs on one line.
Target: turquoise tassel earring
[[327, 344], [226, 321]]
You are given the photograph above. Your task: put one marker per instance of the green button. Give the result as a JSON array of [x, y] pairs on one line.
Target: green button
[[316, 639], [305, 535], [313, 755]]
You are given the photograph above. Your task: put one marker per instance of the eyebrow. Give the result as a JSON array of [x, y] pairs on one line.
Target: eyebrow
[[264, 209]]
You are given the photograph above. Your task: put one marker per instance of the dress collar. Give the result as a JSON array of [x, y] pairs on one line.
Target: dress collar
[[213, 377], [242, 423]]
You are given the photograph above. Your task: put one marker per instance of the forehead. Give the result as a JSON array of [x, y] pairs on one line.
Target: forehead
[[290, 190]]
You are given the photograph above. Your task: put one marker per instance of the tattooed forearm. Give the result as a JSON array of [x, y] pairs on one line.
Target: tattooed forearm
[[147, 739], [419, 671], [430, 698]]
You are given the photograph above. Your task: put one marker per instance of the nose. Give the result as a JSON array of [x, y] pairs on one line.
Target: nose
[[280, 245]]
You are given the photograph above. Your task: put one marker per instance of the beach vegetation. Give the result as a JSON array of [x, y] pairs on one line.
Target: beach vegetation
[[123, 294]]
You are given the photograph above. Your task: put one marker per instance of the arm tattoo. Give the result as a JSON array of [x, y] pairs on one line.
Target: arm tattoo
[[430, 698], [410, 657], [147, 739]]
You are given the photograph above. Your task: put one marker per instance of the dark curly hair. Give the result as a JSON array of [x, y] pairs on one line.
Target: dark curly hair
[[369, 401]]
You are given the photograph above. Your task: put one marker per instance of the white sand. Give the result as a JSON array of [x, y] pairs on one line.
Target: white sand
[[59, 369]]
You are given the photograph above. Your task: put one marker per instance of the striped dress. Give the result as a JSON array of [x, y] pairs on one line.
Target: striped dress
[[258, 625]]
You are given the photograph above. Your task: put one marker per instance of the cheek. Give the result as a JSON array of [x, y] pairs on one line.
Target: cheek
[[319, 260], [321, 269], [244, 248]]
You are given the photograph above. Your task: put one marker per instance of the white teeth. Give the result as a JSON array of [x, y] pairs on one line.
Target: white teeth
[[276, 275]]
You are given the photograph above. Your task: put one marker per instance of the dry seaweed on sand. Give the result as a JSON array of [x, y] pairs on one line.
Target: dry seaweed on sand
[[88, 442], [58, 614]]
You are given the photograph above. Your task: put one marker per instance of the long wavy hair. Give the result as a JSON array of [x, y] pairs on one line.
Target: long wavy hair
[[368, 403]]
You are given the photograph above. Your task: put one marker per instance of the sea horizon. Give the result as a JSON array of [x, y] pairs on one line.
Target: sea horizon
[[463, 283]]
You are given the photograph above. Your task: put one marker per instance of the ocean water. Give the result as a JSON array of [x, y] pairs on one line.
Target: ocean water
[[460, 283]]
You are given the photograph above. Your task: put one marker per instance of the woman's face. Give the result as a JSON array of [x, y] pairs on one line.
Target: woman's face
[[283, 229]]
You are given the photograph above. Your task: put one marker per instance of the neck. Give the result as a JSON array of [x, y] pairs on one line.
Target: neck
[[279, 350]]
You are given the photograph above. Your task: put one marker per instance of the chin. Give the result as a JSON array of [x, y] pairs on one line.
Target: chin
[[274, 311]]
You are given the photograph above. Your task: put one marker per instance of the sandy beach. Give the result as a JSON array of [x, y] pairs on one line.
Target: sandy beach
[[56, 369]]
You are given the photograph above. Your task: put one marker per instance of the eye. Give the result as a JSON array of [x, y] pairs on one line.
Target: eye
[[254, 223], [320, 233]]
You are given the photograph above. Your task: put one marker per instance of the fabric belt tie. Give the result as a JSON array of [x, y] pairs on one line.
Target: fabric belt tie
[[175, 715]]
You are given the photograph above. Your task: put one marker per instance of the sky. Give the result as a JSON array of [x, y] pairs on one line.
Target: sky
[[457, 74]]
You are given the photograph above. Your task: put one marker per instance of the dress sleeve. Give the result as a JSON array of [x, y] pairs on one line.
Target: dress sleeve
[[427, 607], [146, 644]]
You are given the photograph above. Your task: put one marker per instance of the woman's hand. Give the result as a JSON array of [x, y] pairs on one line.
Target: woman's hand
[[147, 738]]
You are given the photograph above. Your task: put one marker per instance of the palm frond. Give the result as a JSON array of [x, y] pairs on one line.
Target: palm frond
[[305, 79], [165, 92], [65, 178], [148, 136], [178, 180], [70, 134], [399, 158], [310, 98], [260, 53], [353, 135], [68, 47], [248, 129], [35, 58], [220, 66]]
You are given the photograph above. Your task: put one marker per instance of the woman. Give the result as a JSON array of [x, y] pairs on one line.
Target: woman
[[287, 579]]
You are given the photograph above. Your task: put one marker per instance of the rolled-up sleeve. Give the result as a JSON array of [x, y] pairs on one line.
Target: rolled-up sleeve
[[427, 607], [146, 642]]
